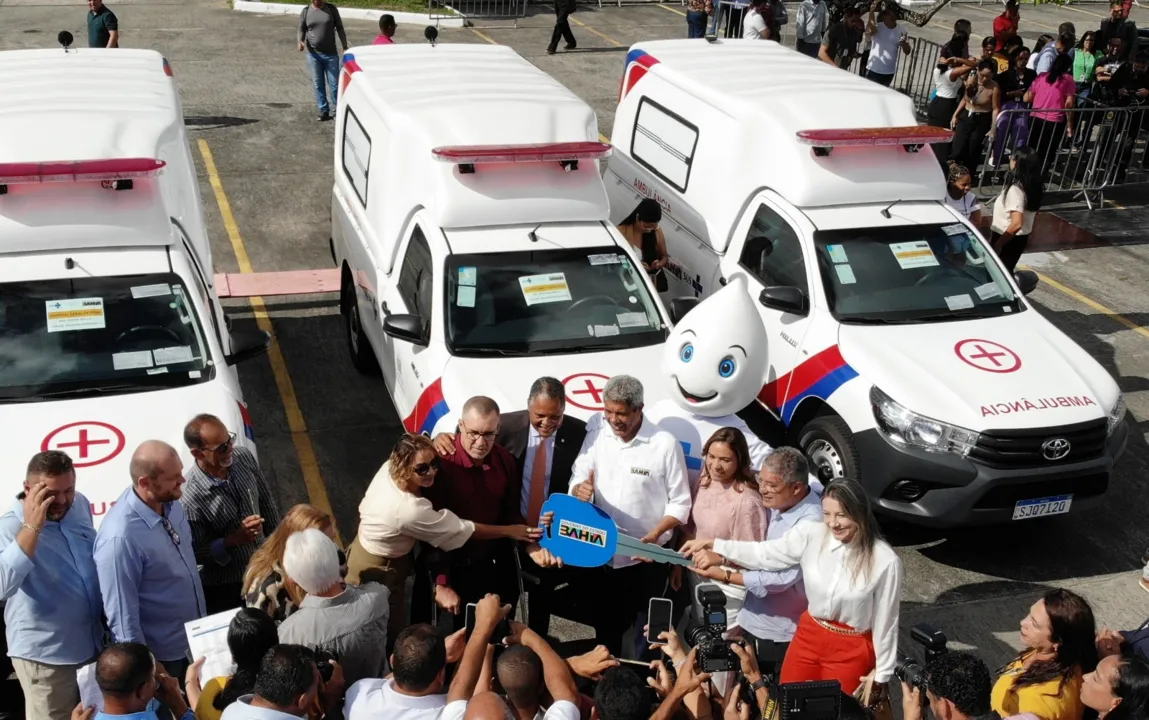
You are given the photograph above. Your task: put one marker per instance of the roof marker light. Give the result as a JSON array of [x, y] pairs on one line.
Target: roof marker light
[[912, 137], [79, 170], [568, 154]]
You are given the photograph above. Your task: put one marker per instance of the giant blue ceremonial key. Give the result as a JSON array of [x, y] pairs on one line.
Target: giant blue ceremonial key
[[584, 536]]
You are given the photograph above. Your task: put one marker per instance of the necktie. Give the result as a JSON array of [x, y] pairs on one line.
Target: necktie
[[538, 480]]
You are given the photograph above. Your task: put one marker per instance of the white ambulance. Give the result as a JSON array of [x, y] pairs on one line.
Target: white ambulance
[[470, 221], [901, 352], [111, 332]]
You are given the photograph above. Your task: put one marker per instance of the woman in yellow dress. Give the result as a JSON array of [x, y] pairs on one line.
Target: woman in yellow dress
[[251, 634], [1059, 639]]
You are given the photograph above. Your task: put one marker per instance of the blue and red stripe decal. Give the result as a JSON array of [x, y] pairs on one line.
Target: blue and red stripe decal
[[248, 429], [638, 62], [429, 409], [820, 376], [350, 67]]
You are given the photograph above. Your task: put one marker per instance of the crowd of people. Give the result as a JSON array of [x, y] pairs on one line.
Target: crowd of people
[[456, 523]]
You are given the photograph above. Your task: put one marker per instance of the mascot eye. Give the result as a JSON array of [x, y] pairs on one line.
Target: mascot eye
[[686, 353], [726, 367]]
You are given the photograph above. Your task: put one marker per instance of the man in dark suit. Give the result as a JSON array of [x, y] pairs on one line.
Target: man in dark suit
[[544, 443]]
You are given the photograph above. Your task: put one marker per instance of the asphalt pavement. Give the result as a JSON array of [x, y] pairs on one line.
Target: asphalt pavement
[[265, 165]]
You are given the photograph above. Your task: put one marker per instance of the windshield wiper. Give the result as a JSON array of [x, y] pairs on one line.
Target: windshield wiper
[[952, 315], [489, 351], [868, 320], [80, 392]]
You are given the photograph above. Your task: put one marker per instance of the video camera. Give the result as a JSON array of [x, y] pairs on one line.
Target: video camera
[[908, 669], [714, 653]]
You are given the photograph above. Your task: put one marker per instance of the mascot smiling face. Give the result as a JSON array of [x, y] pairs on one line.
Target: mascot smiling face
[[715, 359]]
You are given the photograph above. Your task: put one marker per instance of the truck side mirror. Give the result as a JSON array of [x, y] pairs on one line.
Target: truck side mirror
[[1026, 281], [679, 306], [247, 344], [406, 327], [785, 298]]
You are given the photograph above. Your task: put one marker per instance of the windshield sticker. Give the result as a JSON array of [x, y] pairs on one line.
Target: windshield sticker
[[157, 371], [987, 291], [169, 356], [194, 374], [956, 229], [845, 274], [147, 291], [916, 254], [632, 319], [466, 296], [549, 288], [75, 314], [132, 360], [468, 275], [959, 302], [837, 253], [605, 259], [605, 330]]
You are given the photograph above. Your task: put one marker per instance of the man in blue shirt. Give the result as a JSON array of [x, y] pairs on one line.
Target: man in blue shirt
[[48, 580], [133, 686], [146, 562], [776, 599]]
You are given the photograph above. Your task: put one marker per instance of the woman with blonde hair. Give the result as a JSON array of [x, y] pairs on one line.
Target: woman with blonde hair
[[266, 586], [853, 583], [394, 515]]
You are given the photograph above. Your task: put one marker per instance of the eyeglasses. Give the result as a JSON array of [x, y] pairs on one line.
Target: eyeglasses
[[171, 531], [486, 436], [422, 469], [224, 446]]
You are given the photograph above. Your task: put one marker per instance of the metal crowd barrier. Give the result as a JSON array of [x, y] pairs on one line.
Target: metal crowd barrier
[[1107, 149], [915, 73], [513, 10]]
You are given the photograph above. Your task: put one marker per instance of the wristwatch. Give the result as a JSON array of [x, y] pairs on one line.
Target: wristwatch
[[758, 684]]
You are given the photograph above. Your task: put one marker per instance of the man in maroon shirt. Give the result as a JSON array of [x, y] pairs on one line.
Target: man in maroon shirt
[[478, 482]]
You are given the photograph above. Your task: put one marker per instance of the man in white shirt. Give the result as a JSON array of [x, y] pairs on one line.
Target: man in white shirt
[[813, 19], [530, 669], [754, 25], [635, 472], [287, 686], [886, 37], [419, 665]]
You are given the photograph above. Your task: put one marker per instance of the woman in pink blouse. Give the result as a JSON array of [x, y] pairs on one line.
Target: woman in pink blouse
[[727, 505]]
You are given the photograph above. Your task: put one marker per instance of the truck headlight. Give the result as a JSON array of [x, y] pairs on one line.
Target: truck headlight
[[1117, 413], [903, 426]]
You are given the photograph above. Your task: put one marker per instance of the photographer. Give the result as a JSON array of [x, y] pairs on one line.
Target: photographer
[[957, 686]]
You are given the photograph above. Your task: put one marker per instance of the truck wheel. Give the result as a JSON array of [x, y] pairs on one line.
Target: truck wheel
[[362, 356], [829, 444]]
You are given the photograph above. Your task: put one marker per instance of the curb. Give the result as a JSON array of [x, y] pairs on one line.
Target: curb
[[402, 18]]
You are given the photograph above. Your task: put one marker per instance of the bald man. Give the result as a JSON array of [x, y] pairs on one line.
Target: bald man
[[146, 560]]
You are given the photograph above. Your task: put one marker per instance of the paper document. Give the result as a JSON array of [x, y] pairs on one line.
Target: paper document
[[89, 690], [207, 638]]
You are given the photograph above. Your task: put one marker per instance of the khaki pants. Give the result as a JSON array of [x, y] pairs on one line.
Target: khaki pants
[[50, 691], [392, 573]]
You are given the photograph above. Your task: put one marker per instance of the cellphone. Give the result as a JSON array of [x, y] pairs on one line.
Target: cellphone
[[502, 630], [658, 617]]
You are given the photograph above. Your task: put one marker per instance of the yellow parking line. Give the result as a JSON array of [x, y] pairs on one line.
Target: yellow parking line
[[484, 36], [602, 35], [676, 11], [1118, 317], [308, 464]]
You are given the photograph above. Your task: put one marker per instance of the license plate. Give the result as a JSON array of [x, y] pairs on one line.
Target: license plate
[[1040, 507]]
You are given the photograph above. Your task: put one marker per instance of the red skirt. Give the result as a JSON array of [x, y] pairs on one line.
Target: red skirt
[[821, 653]]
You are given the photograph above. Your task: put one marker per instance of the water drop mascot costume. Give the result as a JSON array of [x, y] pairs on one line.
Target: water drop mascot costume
[[714, 363]]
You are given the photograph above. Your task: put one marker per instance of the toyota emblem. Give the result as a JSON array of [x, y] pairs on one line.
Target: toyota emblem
[[1055, 448]]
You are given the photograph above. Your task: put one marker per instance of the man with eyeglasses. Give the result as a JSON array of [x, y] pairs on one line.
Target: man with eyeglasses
[[544, 443], [478, 482], [229, 506], [146, 562]]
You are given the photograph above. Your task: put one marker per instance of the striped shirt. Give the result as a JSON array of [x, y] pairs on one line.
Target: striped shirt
[[215, 509]]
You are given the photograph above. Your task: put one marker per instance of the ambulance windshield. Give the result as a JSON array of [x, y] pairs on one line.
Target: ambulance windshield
[[910, 274], [98, 335], [548, 302]]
